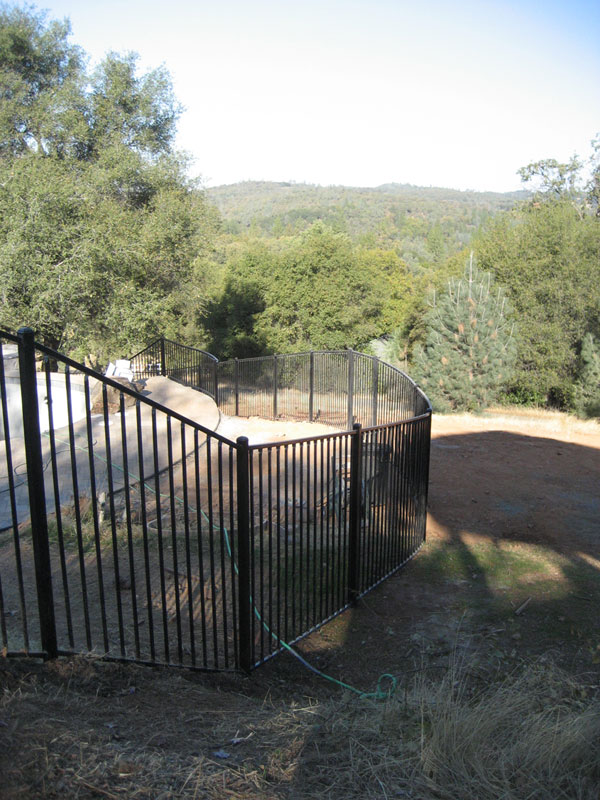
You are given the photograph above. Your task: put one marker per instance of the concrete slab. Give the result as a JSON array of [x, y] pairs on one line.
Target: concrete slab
[[136, 446]]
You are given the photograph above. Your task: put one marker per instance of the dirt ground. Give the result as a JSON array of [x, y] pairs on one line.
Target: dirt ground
[[509, 576]]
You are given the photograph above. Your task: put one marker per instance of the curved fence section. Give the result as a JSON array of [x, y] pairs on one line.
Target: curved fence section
[[132, 532], [330, 516], [187, 365], [333, 387]]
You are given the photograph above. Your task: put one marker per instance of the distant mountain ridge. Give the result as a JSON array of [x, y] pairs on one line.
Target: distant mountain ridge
[[399, 216]]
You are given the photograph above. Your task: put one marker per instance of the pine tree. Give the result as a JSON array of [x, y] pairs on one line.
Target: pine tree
[[588, 385], [470, 349]]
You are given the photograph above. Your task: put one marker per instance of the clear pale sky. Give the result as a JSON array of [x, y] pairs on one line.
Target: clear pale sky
[[364, 92]]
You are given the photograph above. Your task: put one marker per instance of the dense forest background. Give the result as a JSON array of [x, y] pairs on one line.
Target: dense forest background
[[105, 243]]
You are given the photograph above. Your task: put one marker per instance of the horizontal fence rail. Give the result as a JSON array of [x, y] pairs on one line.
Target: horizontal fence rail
[[130, 531]]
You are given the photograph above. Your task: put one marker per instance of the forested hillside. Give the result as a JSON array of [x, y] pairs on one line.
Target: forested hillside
[[421, 224]]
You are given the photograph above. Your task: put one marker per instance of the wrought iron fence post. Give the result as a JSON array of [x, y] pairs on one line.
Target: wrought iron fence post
[[243, 553], [355, 514], [426, 450], [216, 380], [236, 372], [274, 387], [37, 493], [350, 388], [375, 388], [163, 362], [311, 386]]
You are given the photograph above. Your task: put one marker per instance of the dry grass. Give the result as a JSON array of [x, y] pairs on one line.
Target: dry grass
[[84, 729], [537, 421], [536, 735]]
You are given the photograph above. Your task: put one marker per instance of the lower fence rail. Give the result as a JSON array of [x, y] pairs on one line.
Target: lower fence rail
[[131, 532]]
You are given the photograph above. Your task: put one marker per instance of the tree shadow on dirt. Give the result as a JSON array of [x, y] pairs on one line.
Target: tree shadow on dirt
[[510, 574], [511, 517]]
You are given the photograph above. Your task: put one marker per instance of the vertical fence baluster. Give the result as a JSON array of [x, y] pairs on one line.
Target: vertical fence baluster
[[375, 390], [77, 499], [355, 514], [175, 554], [113, 519], [57, 509], [211, 552], [13, 509], [275, 387], [143, 516], [222, 541], [286, 477], [188, 550], [163, 361], [243, 549], [200, 539], [129, 525], [233, 556], [311, 387], [37, 494], [350, 388], [94, 502], [159, 538]]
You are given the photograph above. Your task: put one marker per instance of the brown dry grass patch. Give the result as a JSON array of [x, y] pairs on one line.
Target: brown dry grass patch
[[81, 728]]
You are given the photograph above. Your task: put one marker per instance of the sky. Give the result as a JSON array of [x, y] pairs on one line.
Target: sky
[[364, 92]]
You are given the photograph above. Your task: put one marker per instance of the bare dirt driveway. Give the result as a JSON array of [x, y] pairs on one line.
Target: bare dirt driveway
[[511, 566]]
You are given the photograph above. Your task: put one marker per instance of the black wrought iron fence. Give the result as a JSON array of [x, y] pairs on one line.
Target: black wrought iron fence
[[133, 532], [186, 365], [117, 520]]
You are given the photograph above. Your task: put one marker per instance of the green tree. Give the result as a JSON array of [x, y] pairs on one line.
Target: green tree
[[313, 291], [547, 255], [42, 85], [469, 351], [319, 296], [593, 185], [552, 178], [230, 318], [104, 242], [588, 384]]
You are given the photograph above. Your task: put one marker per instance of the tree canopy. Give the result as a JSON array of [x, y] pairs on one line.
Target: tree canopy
[[102, 235], [547, 255]]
